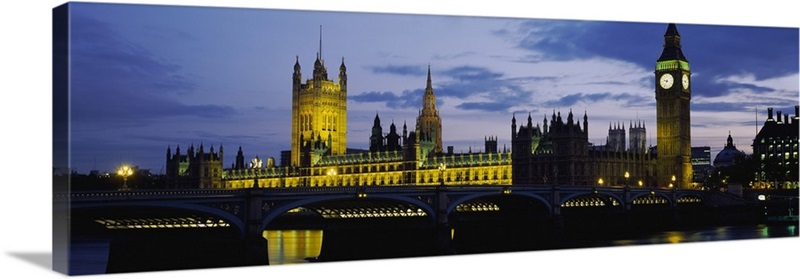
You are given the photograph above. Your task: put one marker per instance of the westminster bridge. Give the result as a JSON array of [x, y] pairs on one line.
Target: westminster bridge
[[245, 213]]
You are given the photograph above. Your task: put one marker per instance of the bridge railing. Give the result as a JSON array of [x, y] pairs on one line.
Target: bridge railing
[[207, 193], [129, 194]]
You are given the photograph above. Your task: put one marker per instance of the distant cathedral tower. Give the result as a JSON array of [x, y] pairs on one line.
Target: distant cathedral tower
[[428, 122], [638, 137], [616, 138], [673, 92], [319, 108]]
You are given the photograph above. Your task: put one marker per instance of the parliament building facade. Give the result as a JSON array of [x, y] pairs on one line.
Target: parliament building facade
[[558, 152]]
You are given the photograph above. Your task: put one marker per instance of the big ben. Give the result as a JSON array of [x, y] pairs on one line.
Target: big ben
[[673, 93]]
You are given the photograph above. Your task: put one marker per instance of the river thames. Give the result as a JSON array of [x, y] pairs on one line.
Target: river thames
[[300, 246]]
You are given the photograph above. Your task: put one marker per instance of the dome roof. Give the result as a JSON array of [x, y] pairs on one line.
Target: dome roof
[[727, 155]]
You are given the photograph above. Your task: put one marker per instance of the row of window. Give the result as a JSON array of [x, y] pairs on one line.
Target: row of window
[[786, 156]]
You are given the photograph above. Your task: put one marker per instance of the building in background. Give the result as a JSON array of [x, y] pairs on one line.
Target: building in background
[[728, 155], [195, 169], [701, 165], [558, 152], [775, 152]]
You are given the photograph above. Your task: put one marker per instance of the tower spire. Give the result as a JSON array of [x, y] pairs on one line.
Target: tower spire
[[429, 77], [672, 45]]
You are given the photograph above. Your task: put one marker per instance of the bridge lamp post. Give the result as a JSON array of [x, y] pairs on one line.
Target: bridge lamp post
[[600, 182], [640, 183], [673, 181], [332, 175], [125, 171], [627, 176], [442, 168]]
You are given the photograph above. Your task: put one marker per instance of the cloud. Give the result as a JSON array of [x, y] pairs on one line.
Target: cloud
[[471, 74], [478, 88], [483, 89], [718, 107], [713, 51], [403, 70], [629, 100], [406, 99], [116, 80], [485, 106]]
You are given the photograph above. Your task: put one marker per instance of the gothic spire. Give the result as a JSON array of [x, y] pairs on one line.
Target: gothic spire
[[672, 45], [429, 77]]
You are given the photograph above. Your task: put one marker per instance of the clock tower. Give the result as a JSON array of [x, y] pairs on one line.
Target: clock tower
[[673, 92]]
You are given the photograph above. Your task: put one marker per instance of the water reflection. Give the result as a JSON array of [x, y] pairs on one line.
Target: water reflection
[[292, 246], [710, 234], [298, 246]]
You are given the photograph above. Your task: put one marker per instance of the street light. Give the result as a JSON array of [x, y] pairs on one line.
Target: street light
[[125, 171], [442, 168], [627, 175], [600, 182], [332, 175], [673, 181]]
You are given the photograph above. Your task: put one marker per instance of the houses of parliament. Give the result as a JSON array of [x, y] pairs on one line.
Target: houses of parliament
[[554, 151]]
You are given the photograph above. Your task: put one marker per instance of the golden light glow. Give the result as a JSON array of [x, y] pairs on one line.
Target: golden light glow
[[600, 182], [125, 171], [675, 237], [293, 246]]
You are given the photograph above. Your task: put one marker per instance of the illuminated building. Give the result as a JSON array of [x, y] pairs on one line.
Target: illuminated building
[[195, 169], [562, 154], [558, 152], [413, 158], [319, 110], [775, 151], [701, 164], [428, 122], [673, 92]]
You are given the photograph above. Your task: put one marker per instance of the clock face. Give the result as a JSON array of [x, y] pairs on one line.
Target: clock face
[[666, 81], [685, 81]]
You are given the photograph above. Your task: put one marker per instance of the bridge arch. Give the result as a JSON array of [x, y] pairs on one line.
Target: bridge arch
[[689, 197], [274, 212], [452, 206], [571, 196], [235, 221], [656, 194]]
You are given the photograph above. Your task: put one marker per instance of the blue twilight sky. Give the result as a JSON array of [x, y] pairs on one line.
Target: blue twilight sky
[[145, 78]]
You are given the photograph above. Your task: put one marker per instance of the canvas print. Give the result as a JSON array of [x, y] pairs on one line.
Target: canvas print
[[201, 137]]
